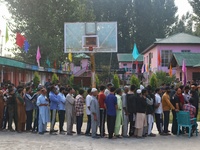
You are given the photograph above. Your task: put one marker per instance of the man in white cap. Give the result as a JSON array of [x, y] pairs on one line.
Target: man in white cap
[[94, 108]]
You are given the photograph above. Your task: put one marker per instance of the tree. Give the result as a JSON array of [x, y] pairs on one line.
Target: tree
[[153, 81], [36, 79], [163, 78], [41, 22], [54, 78], [116, 81], [135, 81]]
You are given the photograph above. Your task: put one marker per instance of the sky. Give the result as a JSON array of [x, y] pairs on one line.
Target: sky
[[183, 7]]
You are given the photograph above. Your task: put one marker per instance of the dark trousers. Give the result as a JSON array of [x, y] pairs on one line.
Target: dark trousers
[[102, 121], [111, 125], [197, 109], [159, 122], [12, 115], [132, 124], [29, 119], [166, 121], [36, 117], [5, 117], [79, 122], [61, 114], [88, 124]]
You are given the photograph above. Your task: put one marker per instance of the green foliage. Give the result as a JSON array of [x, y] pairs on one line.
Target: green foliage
[[71, 80], [163, 78], [54, 78], [105, 74], [41, 21], [116, 81], [36, 79], [135, 81], [153, 81]]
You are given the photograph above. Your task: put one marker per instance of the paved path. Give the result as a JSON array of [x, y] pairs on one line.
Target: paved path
[[30, 141]]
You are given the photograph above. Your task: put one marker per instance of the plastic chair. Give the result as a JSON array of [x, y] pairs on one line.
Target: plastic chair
[[183, 119]]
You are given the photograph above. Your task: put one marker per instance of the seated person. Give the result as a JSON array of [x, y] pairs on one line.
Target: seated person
[[192, 109]]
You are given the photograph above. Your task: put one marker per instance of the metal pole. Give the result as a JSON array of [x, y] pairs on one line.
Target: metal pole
[[93, 79]]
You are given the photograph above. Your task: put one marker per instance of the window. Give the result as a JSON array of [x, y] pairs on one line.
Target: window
[[185, 51], [124, 65], [166, 56]]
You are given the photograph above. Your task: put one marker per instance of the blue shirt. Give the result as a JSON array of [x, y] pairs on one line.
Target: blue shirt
[[111, 102], [53, 101], [62, 100]]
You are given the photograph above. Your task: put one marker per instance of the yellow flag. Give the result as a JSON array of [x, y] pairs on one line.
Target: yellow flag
[[70, 57], [7, 37]]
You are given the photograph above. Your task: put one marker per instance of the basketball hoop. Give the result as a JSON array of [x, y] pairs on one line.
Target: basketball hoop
[[90, 48]]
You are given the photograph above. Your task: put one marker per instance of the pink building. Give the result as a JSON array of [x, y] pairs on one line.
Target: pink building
[[179, 43], [128, 66]]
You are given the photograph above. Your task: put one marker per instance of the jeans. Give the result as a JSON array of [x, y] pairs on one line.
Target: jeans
[[29, 119], [111, 125], [53, 119], [166, 121], [61, 114], [79, 122], [88, 124]]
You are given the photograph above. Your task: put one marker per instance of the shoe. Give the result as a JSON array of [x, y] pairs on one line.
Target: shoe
[[52, 133], [41, 133], [73, 132], [126, 136], [54, 130], [152, 135], [140, 137], [95, 137], [69, 134], [167, 133], [88, 134], [62, 133], [118, 136]]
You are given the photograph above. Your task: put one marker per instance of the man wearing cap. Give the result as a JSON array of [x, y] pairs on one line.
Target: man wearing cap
[[167, 106], [94, 108], [70, 110]]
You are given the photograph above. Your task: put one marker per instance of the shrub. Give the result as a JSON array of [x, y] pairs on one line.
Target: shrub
[[135, 81], [36, 79]]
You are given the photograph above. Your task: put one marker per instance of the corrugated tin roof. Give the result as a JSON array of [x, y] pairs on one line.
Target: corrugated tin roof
[[127, 57], [191, 59], [180, 38]]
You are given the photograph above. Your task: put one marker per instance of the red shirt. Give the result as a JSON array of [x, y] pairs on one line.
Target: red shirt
[[101, 99]]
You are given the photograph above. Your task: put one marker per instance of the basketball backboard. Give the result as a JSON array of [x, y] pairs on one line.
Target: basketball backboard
[[101, 36]]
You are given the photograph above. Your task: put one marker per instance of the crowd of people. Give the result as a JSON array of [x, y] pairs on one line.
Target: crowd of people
[[129, 112]]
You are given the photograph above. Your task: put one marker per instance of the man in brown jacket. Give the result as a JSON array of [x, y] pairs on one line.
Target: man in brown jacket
[[167, 106]]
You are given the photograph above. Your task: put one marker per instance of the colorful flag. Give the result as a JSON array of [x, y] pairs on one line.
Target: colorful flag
[[70, 57], [26, 46], [184, 71], [147, 69], [48, 62], [135, 52], [38, 56], [7, 37], [159, 58], [20, 40], [170, 70], [143, 68]]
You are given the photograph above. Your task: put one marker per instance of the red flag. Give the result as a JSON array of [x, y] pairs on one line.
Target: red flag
[[20, 40], [54, 64], [170, 70], [159, 58]]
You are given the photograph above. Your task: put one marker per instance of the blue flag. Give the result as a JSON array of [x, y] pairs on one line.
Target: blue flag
[[135, 52], [26, 46]]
